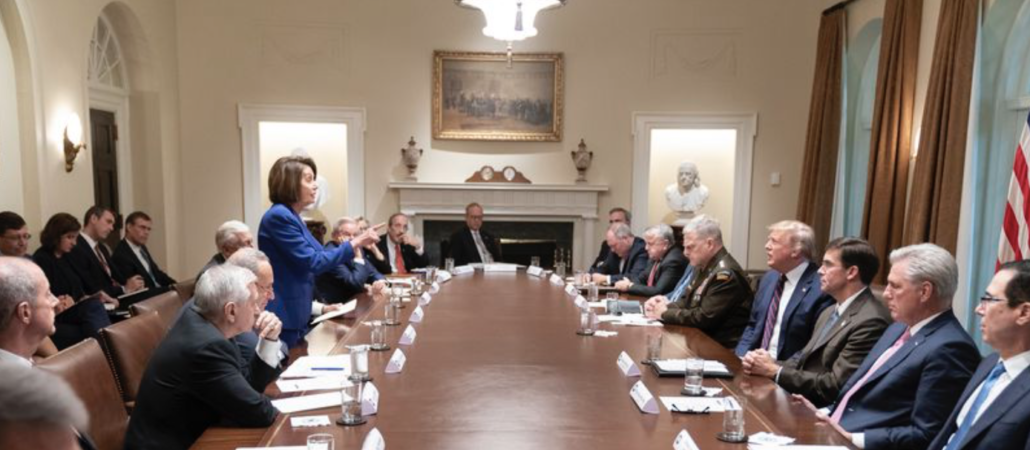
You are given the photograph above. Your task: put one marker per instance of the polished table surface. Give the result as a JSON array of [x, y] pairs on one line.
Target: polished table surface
[[497, 364]]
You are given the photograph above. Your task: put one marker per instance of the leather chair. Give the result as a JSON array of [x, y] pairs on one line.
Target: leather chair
[[85, 368], [128, 345], [166, 305], [185, 289]]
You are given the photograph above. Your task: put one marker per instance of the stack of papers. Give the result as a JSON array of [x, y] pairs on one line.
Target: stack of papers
[[347, 307], [313, 384], [712, 368], [636, 320]]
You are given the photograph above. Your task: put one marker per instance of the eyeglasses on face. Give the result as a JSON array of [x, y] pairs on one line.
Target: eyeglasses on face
[[987, 299]]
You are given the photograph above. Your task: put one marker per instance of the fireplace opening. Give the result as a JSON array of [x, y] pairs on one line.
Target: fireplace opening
[[519, 241]]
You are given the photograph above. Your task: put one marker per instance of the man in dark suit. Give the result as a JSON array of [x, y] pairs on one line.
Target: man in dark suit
[[901, 395], [14, 235], [844, 333], [196, 379], [789, 298], [994, 410], [666, 265], [402, 252], [471, 244], [602, 264], [628, 257], [92, 260], [41, 411], [132, 258], [718, 300], [229, 237], [352, 277]]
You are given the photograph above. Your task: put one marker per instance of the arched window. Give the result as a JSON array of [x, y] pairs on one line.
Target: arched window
[[106, 66]]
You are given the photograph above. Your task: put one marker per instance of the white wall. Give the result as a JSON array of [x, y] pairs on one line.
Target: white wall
[[11, 196], [326, 144]]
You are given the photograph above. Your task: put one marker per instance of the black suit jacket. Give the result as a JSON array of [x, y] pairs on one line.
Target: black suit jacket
[[129, 266], [601, 264], [820, 369], [463, 247], [637, 262], [670, 270], [346, 280], [195, 379], [91, 271], [412, 260]]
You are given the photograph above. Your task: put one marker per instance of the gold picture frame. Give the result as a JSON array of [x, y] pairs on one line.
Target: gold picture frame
[[477, 96]]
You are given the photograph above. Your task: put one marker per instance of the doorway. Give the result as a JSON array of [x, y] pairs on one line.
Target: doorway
[[104, 141]]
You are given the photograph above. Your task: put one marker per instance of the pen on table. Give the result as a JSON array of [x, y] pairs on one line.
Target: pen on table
[[326, 368]]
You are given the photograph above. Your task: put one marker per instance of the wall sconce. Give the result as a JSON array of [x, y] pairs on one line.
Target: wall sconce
[[72, 141]]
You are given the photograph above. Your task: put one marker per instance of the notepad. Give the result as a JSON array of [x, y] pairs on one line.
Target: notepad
[[347, 307], [318, 366], [678, 367], [307, 402]]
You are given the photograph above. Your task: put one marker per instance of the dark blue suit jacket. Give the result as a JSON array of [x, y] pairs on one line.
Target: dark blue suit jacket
[[346, 280], [1005, 424], [905, 403], [637, 262], [799, 318], [296, 258]]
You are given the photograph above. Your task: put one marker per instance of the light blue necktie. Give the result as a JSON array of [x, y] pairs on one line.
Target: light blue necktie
[[682, 285], [967, 423], [829, 325]]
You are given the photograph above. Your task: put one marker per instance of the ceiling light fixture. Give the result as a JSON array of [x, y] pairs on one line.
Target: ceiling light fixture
[[510, 20]]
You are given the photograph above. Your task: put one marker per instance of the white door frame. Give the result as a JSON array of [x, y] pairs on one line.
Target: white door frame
[[745, 125], [251, 115]]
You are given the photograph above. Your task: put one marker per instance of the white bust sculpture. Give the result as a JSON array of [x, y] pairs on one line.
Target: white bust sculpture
[[687, 195]]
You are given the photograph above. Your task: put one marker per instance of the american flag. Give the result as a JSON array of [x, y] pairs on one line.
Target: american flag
[[1015, 236]]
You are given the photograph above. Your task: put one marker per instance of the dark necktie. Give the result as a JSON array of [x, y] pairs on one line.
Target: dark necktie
[[773, 312]]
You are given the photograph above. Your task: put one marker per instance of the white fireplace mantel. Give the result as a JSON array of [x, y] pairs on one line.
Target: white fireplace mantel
[[576, 203]]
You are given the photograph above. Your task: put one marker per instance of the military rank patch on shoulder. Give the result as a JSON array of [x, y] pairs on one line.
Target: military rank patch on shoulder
[[723, 276]]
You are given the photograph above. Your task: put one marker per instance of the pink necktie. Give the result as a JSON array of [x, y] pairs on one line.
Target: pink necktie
[[837, 413]]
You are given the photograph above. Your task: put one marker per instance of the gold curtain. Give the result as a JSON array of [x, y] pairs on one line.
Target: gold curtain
[[891, 140], [937, 179], [819, 172]]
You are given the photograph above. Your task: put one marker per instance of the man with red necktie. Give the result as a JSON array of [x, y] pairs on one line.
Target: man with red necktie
[[403, 252]]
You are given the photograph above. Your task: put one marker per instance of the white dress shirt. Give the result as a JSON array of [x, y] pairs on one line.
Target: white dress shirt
[[7, 356]]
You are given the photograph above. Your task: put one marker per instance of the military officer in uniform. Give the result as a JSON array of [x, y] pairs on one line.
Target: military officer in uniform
[[718, 300]]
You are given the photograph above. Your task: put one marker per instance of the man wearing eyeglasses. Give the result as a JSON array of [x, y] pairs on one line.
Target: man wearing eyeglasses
[[994, 410], [14, 235]]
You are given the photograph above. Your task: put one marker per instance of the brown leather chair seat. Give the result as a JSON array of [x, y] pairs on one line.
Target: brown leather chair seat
[[85, 368], [166, 305], [128, 345], [185, 289]]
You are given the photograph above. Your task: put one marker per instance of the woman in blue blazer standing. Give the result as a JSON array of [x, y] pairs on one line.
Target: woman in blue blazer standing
[[296, 256]]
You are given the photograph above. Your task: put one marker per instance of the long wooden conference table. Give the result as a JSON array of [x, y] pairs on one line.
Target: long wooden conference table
[[497, 364]]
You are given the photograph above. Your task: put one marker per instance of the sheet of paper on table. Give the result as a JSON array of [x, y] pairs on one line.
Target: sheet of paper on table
[[680, 365], [307, 402], [347, 307], [697, 404], [336, 382], [636, 320], [318, 366]]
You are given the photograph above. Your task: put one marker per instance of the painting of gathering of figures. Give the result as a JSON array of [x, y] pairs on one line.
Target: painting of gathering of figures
[[478, 96]]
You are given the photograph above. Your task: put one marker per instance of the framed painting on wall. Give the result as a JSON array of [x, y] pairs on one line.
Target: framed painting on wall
[[479, 96]]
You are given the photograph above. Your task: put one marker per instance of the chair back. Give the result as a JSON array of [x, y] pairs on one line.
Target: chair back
[[84, 367], [129, 344], [166, 306], [185, 289]]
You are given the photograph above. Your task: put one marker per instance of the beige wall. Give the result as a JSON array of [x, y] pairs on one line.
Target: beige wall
[[620, 57], [326, 144]]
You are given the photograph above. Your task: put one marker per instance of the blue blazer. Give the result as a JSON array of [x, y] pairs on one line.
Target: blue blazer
[[799, 318], [346, 280], [905, 403], [1005, 424], [296, 258]]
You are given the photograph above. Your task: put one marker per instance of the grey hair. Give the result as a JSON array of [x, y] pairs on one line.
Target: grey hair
[[802, 237], [929, 262], [661, 231], [222, 285], [621, 231], [228, 233], [341, 222], [17, 284], [249, 258], [31, 395], [704, 226]]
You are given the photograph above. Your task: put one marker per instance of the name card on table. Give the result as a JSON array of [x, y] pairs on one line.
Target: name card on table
[[461, 270], [500, 267], [435, 287], [374, 441], [396, 363], [643, 398], [534, 271], [556, 280], [417, 314], [408, 337], [628, 367], [369, 399], [684, 442], [425, 299], [581, 302], [442, 276], [571, 290]]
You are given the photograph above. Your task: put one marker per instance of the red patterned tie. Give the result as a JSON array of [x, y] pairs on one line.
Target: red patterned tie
[[773, 313], [103, 261], [654, 270], [399, 259]]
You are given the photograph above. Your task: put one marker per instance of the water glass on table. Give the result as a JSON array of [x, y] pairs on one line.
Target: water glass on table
[[733, 420], [350, 407], [378, 337], [393, 311], [654, 346], [587, 322], [534, 261], [693, 377], [359, 363], [320, 441], [448, 264]]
